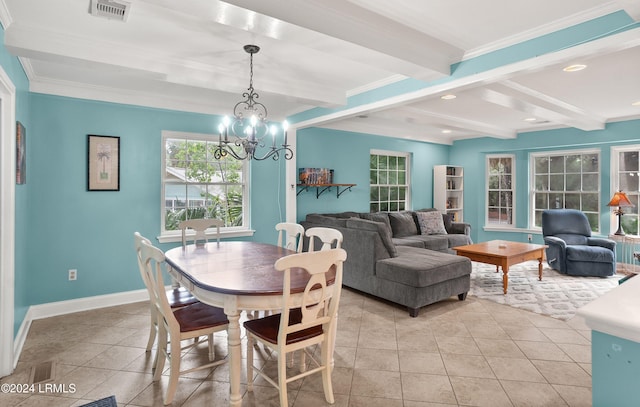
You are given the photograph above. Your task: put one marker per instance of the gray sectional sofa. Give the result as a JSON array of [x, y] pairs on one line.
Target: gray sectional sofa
[[389, 257]]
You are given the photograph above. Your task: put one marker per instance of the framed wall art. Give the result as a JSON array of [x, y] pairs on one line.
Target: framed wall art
[[103, 163], [21, 154]]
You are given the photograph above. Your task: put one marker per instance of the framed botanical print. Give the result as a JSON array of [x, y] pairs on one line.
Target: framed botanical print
[[103, 163]]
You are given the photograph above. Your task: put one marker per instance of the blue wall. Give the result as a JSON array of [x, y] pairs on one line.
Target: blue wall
[[14, 70], [471, 155], [348, 155], [92, 231]]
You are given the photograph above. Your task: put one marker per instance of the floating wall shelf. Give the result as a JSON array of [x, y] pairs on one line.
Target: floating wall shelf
[[321, 188]]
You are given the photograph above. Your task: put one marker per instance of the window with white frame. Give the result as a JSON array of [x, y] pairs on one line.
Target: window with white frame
[[625, 163], [196, 185], [500, 189], [566, 179], [389, 181]]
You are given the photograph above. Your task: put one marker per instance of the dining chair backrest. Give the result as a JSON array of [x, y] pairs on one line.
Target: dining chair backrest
[[152, 260], [330, 238], [138, 240], [200, 227], [319, 305], [290, 235]]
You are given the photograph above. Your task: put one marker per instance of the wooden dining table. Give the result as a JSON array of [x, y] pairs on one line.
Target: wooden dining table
[[235, 276]]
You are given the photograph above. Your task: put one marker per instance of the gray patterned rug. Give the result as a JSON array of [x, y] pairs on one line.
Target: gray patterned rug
[[557, 295]]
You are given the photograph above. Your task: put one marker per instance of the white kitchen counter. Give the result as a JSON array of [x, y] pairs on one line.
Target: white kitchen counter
[[617, 312]]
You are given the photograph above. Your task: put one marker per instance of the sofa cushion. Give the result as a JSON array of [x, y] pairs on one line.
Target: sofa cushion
[[327, 221], [408, 241], [431, 223], [383, 230], [422, 268], [592, 254], [432, 242], [457, 239], [403, 224], [377, 217]]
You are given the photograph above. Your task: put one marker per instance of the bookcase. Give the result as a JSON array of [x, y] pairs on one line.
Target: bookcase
[[448, 190]]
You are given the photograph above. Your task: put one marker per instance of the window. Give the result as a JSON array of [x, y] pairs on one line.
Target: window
[[196, 185], [500, 189], [389, 181], [566, 180], [626, 164]]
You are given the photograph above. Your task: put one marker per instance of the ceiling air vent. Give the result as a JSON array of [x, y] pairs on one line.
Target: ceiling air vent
[[111, 9]]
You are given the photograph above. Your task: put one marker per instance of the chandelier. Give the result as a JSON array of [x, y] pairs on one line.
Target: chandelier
[[248, 128]]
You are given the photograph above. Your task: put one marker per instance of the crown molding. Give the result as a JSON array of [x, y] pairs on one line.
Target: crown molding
[[545, 29], [5, 16]]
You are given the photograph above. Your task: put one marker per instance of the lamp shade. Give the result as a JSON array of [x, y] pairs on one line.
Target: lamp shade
[[620, 199]]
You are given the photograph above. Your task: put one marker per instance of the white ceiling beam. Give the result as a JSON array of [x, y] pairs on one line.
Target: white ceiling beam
[[29, 42], [461, 123], [349, 22], [388, 128], [632, 7], [515, 96]]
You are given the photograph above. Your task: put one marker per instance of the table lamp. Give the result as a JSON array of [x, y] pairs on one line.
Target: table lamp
[[620, 200]]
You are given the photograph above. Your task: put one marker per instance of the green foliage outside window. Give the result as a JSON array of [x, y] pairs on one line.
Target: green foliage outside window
[[209, 188]]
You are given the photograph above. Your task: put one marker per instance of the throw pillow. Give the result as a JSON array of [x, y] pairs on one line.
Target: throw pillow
[[403, 224], [431, 223]]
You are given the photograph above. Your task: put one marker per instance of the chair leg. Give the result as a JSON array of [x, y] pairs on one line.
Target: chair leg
[[212, 350], [161, 354], [174, 371], [249, 363], [326, 372], [152, 333], [303, 360], [282, 378]]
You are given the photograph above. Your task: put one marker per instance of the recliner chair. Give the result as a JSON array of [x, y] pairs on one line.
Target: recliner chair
[[571, 249]]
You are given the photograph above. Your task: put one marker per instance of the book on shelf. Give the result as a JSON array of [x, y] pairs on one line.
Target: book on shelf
[[314, 176]]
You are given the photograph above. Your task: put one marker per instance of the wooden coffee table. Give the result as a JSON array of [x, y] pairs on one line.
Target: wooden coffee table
[[503, 254]]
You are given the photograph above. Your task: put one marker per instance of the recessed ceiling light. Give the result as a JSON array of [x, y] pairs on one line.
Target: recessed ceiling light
[[448, 97], [530, 119], [574, 68], [446, 131], [636, 103]]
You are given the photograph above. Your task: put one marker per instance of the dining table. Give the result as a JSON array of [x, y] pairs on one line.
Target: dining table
[[235, 276]]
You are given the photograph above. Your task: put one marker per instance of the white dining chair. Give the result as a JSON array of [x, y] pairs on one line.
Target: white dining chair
[[290, 235], [200, 227], [175, 326], [330, 238], [301, 325], [176, 297]]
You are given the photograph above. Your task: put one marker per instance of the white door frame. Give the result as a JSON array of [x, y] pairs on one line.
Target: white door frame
[[7, 220]]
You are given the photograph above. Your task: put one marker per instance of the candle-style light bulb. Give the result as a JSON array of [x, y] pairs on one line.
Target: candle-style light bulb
[[225, 122], [220, 131], [273, 135], [285, 127]]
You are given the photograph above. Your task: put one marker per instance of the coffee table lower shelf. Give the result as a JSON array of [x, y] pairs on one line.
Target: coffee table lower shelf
[[503, 253]]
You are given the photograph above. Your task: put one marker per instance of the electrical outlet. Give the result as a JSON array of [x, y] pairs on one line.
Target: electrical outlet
[[529, 238], [73, 274]]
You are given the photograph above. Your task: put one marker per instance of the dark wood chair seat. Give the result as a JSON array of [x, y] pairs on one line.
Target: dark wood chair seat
[[199, 316]]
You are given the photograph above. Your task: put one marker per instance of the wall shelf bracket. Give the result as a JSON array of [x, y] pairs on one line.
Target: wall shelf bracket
[[321, 188]]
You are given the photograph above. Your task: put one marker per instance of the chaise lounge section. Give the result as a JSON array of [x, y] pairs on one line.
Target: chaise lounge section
[[390, 258]]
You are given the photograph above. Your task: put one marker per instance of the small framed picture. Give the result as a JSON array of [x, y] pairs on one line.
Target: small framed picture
[[21, 154], [103, 163]]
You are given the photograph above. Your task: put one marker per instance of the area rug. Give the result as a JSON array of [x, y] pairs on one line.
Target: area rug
[[105, 402], [557, 295]]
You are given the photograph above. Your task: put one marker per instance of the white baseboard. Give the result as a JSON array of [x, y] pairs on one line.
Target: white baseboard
[[53, 309]]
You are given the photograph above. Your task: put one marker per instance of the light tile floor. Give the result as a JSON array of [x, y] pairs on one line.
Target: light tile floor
[[455, 353]]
